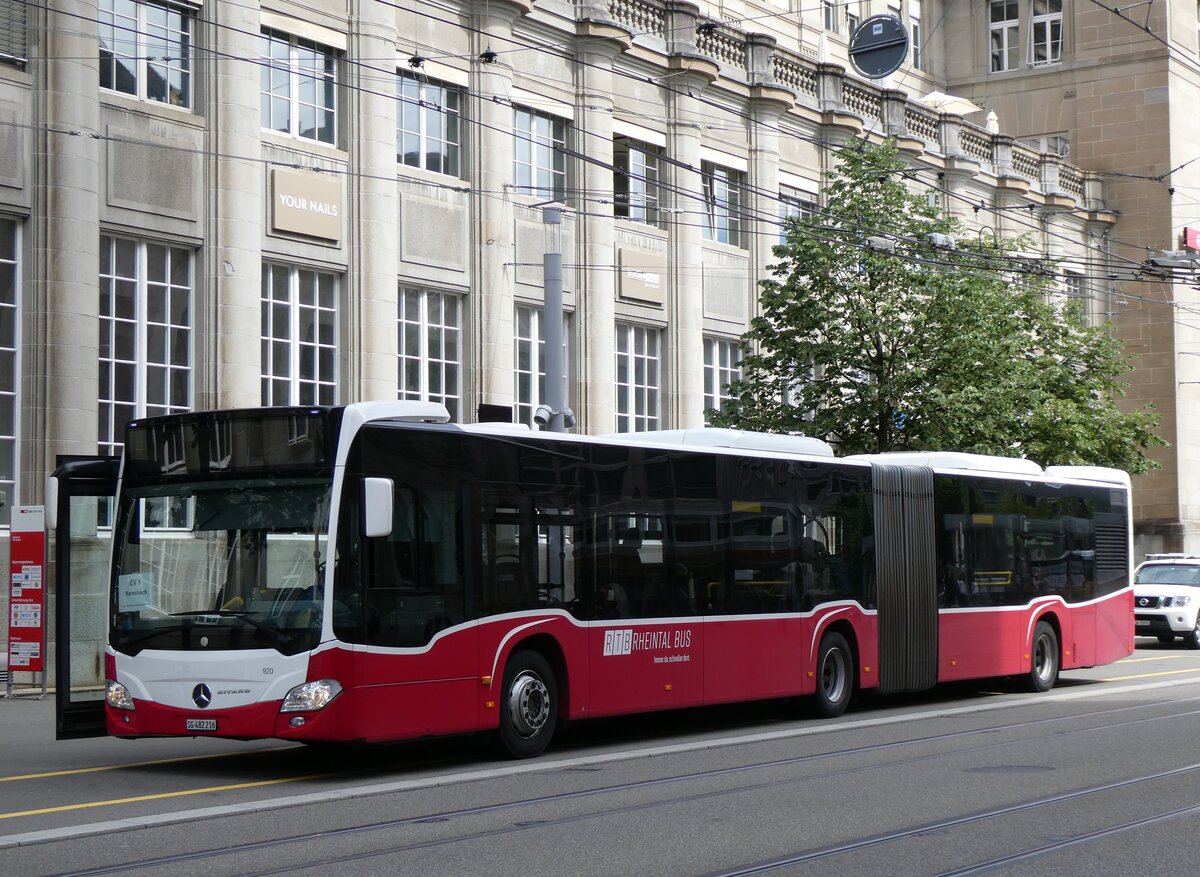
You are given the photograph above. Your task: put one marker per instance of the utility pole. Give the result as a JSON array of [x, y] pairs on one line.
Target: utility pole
[[553, 413]]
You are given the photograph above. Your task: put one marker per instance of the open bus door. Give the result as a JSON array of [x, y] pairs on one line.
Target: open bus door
[[77, 509]]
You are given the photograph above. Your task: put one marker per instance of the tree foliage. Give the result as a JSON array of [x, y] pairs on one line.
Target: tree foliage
[[927, 347]]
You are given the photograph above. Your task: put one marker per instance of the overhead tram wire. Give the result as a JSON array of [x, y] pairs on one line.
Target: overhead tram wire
[[774, 197], [582, 154], [861, 231]]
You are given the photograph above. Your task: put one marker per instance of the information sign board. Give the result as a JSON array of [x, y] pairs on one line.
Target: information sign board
[[27, 596]]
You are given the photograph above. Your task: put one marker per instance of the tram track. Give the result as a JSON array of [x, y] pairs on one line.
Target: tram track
[[809, 856], [616, 790]]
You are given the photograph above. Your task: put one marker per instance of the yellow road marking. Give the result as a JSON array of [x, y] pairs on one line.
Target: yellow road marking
[[1141, 660], [161, 796], [106, 767], [1150, 675]]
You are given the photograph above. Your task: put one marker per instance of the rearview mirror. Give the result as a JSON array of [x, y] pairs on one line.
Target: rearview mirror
[[377, 507]]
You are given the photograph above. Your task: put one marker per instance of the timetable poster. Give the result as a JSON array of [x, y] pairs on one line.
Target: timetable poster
[[27, 595]]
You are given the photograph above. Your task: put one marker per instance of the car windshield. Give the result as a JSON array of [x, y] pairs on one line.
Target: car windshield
[[224, 564], [1168, 574]]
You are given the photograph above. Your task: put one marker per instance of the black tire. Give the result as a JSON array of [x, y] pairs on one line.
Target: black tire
[[1192, 640], [528, 706], [1044, 658], [835, 676]]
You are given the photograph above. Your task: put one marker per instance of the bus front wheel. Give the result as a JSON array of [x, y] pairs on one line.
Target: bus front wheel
[[835, 676], [1044, 658], [529, 706]]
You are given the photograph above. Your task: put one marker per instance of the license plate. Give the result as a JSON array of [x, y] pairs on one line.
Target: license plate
[[201, 724], [1142, 622]]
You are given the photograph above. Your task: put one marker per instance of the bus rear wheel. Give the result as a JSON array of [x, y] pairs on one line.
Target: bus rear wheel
[[835, 676], [528, 706], [1044, 658]]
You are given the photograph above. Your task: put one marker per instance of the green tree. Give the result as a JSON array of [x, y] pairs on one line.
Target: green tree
[[874, 337]]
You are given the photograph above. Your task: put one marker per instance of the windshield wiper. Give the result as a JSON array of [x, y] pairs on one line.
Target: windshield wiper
[[284, 637]]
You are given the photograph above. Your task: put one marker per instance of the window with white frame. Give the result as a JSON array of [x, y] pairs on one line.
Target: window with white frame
[[299, 336], [1073, 287], [723, 194], [916, 34], [429, 326], [145, 356], [639, 378], [146, 50], [794, 205], [722, 366], [1056, 144], [1003, 32], [637, 169], [853, 17], [530, 361], [9, 363], [1046, 32], [540, 154], [428, 130], [830, 9], [298, 87]]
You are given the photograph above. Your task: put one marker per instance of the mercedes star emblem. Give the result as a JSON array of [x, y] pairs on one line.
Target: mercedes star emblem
[[201, 695]]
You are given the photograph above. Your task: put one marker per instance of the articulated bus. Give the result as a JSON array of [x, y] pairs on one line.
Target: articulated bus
[[375, 573]]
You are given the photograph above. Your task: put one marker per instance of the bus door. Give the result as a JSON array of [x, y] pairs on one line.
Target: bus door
[[79, 539], [905, 576]]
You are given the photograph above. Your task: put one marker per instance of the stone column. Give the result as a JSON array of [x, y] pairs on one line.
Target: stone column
[[229, 372], [683, 355], [373, 224], [593, 391], [493, 270], [63, 316], [683, 358]]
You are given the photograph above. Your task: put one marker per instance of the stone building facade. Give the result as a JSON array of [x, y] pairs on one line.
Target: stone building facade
[[1115, 93], [217, 204]]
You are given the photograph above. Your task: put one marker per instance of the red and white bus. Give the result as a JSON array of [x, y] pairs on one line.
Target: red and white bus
[[373, 573]]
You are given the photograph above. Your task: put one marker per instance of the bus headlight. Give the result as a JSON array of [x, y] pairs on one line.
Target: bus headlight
[[117, 695], [311, 696]]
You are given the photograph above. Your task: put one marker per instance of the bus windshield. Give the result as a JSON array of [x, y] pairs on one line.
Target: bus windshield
[[220, 564]]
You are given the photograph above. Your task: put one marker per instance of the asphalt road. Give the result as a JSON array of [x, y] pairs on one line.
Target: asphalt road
[[1097, 777]]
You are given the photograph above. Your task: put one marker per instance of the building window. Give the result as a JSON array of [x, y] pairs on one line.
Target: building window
[[1056, 144], [299, 336], [430, 348], [530, 365], [1003, 28], [540, 158], [146, 50], [428, 133], [1073, 286], [636, 181], [639, 378], [9, 365], [723, 203], [830, 8], [530, 361], [722, 366], [299, 87], [916, 34], [1047, 28], [853, 18], [794, 206], [145, 348], [13, 46]]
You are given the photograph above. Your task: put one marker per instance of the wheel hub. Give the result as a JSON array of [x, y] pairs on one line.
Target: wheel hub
[[528, 704]]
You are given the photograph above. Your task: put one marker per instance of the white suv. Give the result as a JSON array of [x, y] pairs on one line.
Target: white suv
[[1166, 598]]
